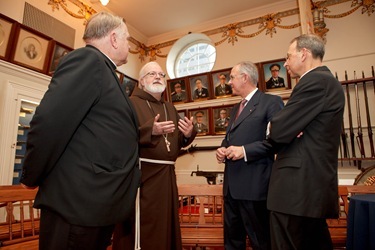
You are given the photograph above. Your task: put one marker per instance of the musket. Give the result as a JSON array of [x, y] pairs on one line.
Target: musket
[[368, 117], [351, 131], [359, 125], [344, 140], [194, 148], [343, 137]]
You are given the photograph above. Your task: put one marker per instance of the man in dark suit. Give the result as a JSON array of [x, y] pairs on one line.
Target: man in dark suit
[[247, 162], [275, 81], [82, 148], [303, 186]]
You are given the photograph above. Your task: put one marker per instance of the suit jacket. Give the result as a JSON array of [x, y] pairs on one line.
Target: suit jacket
[[249, 180], [82, 148], [304, 176]]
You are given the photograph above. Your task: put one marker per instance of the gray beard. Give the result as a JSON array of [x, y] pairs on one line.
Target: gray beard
[[154, 89]]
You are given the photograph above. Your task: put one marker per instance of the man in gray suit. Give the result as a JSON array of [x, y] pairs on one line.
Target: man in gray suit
[[82, 148], [247, 162], [303, 186]]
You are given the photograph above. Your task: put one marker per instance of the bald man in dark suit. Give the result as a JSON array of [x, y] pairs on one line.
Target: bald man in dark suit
[[303, 189]]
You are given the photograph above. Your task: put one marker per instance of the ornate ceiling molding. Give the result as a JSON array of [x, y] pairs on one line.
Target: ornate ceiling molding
[[232, 32]]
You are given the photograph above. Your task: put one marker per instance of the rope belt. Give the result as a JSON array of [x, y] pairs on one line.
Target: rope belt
[[137, 245], [156, 161]]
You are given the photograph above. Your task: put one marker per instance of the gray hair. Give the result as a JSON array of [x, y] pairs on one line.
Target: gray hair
[[311, 42], [100, 25], [144, 69], [249, 69]]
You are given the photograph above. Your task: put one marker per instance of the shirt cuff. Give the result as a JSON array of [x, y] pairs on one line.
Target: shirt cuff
[[244, 154]]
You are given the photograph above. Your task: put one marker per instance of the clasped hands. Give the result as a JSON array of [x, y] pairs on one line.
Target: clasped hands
[[184, 125], [232, 152]]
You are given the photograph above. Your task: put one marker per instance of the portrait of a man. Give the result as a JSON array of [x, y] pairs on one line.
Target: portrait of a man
[[275, 80], [199, 88], [178, 91], [275, 76], [221, 116], [200, 121], [30, 51], [222, 88]]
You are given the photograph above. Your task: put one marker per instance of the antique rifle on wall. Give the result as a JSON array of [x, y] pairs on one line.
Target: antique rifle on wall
[[368, 117], [194, 148], [210, 175], [344, 151], [351, 131], [359, 124]]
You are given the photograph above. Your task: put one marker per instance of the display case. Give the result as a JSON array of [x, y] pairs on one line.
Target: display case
[[26, 113], [21, 90]]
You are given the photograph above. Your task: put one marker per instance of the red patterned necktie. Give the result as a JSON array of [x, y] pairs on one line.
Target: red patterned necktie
[[242, 105]]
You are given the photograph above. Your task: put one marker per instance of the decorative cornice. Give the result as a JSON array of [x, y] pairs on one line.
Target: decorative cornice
[[232, 32]]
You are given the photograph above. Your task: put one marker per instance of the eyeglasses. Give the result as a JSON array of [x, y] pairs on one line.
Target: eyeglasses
[[154, 74], [275, 70]]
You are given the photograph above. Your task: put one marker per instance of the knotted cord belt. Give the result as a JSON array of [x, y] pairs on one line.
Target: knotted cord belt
[[137, 245]]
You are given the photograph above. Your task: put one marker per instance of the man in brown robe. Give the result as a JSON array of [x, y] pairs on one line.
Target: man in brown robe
[[162, 134]]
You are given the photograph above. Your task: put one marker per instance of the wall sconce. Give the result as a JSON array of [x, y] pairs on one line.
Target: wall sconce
[[104, 2]]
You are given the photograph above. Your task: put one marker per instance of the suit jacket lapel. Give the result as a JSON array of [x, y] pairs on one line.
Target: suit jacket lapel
[[248, 110]]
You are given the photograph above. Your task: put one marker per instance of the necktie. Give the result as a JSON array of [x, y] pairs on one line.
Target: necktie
[[242, 105]]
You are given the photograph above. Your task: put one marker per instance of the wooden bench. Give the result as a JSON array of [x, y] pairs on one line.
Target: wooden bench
[[19, 221], [202, 225], [201, 214]]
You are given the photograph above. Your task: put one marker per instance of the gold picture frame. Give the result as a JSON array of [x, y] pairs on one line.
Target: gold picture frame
[[203, 93], [178, 91], [220, 86], [266, 76], [220, 118], [201, 120]]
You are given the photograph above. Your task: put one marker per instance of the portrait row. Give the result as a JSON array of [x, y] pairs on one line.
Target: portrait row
[[215, 84], [209, 120], [29, 48], [24, 46]]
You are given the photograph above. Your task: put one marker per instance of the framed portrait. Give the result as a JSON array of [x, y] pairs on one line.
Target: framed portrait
[[201, 120], [128, 83], [220, 118], [31, 49], [58, 52], [7, 32], [220, 80], [199, 87], [274, 75], [178, 91]]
